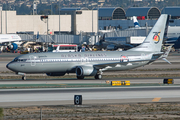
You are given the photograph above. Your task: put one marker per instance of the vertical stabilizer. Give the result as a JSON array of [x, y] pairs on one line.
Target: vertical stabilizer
[[153, 41], [136, 24]]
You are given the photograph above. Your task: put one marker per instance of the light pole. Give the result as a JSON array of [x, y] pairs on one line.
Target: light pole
[[59, 17], [1, 20], [97, 18], [51, 8], [34, 8], [6, 17], [92, 19]]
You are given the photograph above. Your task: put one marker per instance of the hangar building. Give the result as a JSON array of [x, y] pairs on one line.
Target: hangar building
[[76, 20]]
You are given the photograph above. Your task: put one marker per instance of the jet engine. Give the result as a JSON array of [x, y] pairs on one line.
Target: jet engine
[[55, 74], [86, 71], [12, 46]]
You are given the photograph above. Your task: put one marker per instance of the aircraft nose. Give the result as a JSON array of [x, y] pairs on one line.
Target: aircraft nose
[[7, 66], [11, 66]]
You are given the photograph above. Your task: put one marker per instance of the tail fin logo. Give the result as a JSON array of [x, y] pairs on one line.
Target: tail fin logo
[[156, 37]]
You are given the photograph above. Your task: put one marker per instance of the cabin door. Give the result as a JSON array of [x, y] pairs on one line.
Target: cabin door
[[32, 59]]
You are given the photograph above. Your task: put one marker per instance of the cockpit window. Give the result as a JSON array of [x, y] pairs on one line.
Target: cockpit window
[[15, 60], [22, 60], [19, 60]]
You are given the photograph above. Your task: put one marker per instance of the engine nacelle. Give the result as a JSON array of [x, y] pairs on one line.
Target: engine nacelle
[[12, 46], [55, 74], [86, 71]]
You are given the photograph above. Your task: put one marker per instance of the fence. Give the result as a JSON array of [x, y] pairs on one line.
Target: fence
[[79, 39]]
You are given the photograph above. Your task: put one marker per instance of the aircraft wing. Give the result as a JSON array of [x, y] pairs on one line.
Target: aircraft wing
[[104, 65], [155, 56]]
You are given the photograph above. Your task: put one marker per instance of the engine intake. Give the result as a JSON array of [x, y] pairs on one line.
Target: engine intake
[[12, 46]]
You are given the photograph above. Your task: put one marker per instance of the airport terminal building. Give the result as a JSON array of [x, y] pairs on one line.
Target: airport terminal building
[[72, 22], [75, 21], [145, 15]]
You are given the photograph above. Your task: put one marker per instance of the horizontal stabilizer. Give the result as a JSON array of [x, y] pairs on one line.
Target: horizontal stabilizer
[[166, 60]]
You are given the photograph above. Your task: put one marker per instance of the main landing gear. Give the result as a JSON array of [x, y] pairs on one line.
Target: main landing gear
[[23, 77], [98, 76]]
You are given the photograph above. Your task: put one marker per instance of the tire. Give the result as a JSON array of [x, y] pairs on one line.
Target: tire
[[80, 77], [23, 77], [98, 76]]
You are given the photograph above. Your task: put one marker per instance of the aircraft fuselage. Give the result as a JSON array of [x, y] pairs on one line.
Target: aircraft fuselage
[[67, 62]]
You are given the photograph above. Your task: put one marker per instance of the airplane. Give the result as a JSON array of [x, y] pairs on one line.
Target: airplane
[[93, 63], [113, 43], [12, 41]]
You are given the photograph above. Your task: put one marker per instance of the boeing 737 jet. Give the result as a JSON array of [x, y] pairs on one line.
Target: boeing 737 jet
[[95, 62]]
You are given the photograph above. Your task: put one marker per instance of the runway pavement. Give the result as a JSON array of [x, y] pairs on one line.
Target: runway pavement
[[91, 95]]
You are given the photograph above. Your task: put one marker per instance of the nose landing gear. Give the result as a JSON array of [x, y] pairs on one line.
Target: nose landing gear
[[23, 75]]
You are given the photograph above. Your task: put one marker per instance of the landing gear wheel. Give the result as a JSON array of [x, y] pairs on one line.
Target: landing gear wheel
[[23, 77], [98, 76], [80, 77]]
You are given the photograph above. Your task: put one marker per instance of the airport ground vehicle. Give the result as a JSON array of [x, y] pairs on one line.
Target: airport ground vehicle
[[63, 48]]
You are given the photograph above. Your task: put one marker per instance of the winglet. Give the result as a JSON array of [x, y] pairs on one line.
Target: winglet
[[166, 53]]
